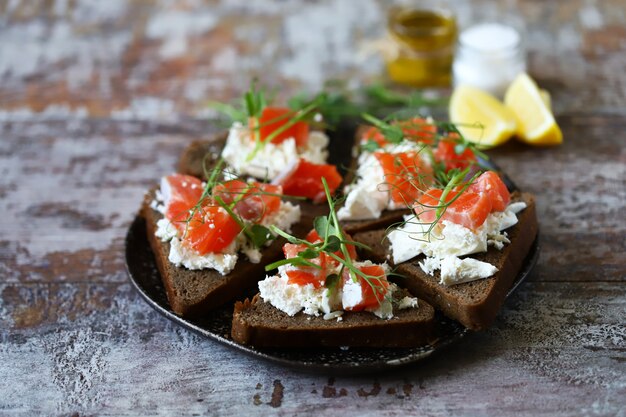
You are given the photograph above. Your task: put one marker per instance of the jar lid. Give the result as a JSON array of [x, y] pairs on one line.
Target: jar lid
[[490, 38]]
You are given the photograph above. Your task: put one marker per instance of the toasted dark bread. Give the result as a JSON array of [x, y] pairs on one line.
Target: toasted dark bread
[[474, 304], [260, 324], [192, 293], [386, 219], [202, 155]]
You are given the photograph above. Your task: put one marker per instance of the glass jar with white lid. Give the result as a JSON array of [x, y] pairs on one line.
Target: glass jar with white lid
[[489, 57]]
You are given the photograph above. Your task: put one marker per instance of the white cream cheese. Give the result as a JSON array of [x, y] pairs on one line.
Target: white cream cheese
[[448, 241], [369, 195], [364, 198], [286, 215], [456, 270], [271, 159], [293, 298], [223, 263], [407, 302], [165, 230]]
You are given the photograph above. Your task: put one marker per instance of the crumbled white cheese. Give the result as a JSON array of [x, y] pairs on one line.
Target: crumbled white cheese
[[447, 241], [364, 199], [292, 298], [498, 240], [352, 294], [430, 265], [180, 255], [315, 149], [271, 158], [517, 206], [369, 195], [333, 315], [407, 302], [286, 216], [447, 238], [156, 206], [362, 202], [165, 230], [456, 271], [385, 308], [165, 192]]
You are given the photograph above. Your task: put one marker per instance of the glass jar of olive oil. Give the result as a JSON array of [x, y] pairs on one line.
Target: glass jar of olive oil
[[423, 47]]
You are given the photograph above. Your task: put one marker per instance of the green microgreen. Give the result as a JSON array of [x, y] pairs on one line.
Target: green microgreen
[[339, 101], [257, 234], [370, 146], [333, 240], [392, 132], [254, 100], [331, 282], [382, 95]]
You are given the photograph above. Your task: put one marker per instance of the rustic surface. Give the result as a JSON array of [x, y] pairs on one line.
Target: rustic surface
[[97, 99]]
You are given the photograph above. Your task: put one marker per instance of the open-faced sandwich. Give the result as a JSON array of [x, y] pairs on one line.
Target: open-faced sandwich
[[391, 172], [465, 241], [426, 218], [322, 295], [212, 239], [280, 145]]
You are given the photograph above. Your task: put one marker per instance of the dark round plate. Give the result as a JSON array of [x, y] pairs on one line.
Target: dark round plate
[[216, 325]]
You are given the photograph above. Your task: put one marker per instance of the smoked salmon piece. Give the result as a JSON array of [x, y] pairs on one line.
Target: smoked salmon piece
[[415, 129], [274, 118], [446, 153], [373, 289], [406, 175], [181, 194], [491, 184], [210, 228], [253, 201], [469, 209], [305, 180], [303, 275]]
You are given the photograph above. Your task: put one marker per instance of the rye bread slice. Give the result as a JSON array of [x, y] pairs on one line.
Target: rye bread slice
[[201, 154], [260, 324], [474, 304], [191, 293], [386, 219]]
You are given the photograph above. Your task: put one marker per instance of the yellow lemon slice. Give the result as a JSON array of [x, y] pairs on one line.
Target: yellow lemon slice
[[481, 117], [545, 97], [536, 124]]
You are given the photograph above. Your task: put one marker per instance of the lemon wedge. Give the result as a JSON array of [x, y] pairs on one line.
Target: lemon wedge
[[545, 97], [536, 124], [481, 117]]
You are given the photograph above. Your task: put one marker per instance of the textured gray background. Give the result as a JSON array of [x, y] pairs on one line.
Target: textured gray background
[[97, 100]]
